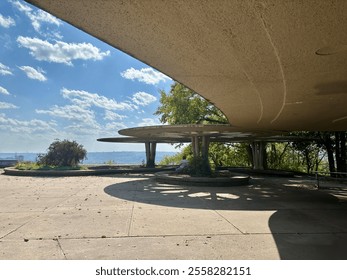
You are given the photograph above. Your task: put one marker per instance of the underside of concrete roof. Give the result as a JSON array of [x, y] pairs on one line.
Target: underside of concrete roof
[[269, 64]]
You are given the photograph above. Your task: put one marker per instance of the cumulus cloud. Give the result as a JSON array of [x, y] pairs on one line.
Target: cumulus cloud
[[6, 22], [146, 75], [61, 52], [148, 122], [5, 105], [5, 70], [34, 74], [37, 17], [70, 112], [4, 91], [114, 127], [21, 6], [31, 126], [112, 116], [82, 119], [143, 98], [87, 99]]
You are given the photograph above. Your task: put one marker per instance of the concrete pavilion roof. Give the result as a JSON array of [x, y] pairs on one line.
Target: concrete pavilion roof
[[144, 140], [268, 64], [184, 133]]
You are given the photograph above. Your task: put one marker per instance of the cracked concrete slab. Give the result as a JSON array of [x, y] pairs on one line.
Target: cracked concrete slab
[[10, 222], [30, 250], [75, 224], [173, 247], [133, 217], [173, 221], [280, 221]]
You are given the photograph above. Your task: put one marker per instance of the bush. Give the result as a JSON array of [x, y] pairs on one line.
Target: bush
[[63, 153]]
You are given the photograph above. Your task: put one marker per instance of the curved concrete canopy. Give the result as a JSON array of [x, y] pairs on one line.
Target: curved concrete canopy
[[143, 140], [267, 64], [181, 133]]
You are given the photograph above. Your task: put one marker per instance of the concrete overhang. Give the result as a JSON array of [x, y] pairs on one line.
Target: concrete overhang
[[163, 140], [184, 133], [273, 65], [172, 134]]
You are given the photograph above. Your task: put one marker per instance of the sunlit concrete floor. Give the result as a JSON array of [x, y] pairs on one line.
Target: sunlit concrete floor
[[132, 217]]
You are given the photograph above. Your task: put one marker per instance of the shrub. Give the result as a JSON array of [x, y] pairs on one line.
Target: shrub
[[63, 153], [27, 165]]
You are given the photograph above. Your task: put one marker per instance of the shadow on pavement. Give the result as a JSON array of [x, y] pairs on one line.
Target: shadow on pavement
[[306, 223]]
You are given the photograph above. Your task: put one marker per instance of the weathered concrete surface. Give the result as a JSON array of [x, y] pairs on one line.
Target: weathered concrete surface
[[272, 65], [134, 217]]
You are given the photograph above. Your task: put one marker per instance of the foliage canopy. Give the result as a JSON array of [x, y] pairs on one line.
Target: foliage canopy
[[183, 106], [63, 153], [322, 151]]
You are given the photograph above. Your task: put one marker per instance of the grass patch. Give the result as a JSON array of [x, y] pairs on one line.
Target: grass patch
[[35, 166]]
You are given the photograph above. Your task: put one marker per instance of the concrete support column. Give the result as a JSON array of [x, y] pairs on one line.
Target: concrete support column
[[195, 146], [150, 153], [258, 156], [205, 146], [148, 150]]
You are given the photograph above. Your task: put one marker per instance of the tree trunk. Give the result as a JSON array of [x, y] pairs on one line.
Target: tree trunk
[[250, 155], [343, 152], [340, 151], [330, 152]]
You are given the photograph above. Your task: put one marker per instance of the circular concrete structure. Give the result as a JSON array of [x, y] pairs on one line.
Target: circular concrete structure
[[234, 179], [218, 133], [89, 172]]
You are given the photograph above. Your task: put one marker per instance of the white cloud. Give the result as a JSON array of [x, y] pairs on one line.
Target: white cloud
[[5, 70], [148, 122], [112, 116], [143, 98], [114, 127], [70, 112], [86, 129], [61, 52], [34, 74], [82, 119], [4, 91], [32, 126], [21, 6], [87, 99], [37, 17], [5, 105], [41, 16], [6, 22], [146, 75]]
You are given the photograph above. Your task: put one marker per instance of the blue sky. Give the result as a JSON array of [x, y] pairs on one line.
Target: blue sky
[[57, 82]]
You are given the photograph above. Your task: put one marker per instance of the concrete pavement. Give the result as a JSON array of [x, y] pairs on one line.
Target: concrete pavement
[[133, 217]]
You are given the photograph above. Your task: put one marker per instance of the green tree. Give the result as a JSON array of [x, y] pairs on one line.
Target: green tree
[[333, 143], [183, 106], [63, 153]]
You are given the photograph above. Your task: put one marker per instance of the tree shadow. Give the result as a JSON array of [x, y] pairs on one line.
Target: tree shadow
[[306, 223]]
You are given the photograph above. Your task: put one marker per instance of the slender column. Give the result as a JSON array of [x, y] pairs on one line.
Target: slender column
[[205, 145], [153, 148], [257, 151], [148, 152], [195, 146]]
